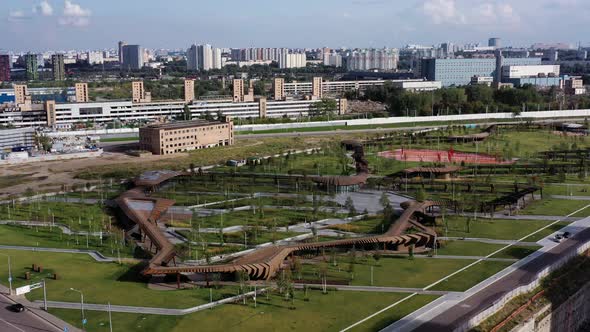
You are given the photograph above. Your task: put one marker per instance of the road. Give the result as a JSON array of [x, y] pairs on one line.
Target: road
[[461, 312], [21, 322]]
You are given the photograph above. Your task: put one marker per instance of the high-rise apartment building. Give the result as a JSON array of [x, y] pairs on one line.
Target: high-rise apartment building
[[82, 93], [217, 62], [381, 59], [4, 67], [121, 44], [95, 58], [279, 88], [59, 70], [192, 58], [495, 42], [32, 73], [203, 57], [189, 91], [292, 60], [132, 57]]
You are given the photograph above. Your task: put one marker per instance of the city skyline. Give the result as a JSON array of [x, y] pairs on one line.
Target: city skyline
[[83, 24]]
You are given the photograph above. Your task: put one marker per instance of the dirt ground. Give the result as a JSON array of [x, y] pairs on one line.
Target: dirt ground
[[51, 176]]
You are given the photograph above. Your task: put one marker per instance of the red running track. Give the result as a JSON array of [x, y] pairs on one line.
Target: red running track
[[442, 157]]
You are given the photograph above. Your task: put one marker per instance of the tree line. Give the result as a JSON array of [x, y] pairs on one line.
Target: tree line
[[472, 99]]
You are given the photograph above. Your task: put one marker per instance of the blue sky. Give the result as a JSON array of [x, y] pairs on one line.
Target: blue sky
[[95, 24]]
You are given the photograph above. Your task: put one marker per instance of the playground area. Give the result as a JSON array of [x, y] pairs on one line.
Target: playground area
[[440, 156]]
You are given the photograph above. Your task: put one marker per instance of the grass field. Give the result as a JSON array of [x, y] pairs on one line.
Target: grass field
[[468, 248], [77, 216], [471, 276], [331, 312], [388, 271], [100, 282], [557, 207], [54, 238], [270, 217], [501, 229]]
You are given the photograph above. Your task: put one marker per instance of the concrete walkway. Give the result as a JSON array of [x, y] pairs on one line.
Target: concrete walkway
[[491, 241], [64, 228], [147, 310], [574, 198], [92, 253]]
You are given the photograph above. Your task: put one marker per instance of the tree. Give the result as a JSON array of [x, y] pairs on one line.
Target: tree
[[323, 107], [349, 205], [44, 142], [187, 113], [384, 201], [420, 195], [411, 252]]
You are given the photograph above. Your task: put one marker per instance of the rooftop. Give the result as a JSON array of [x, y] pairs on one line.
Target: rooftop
[[185, 124]]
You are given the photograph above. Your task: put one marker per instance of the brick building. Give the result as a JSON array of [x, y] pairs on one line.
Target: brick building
[[184, 136]]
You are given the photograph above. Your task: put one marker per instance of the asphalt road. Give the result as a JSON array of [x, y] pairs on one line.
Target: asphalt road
[[455, 316], [21, 321]]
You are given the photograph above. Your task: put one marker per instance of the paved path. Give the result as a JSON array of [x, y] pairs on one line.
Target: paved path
[[94, 254], [64, 228], [379, 289], [521, 217], [575, 198], [491, 241], [146, 310]]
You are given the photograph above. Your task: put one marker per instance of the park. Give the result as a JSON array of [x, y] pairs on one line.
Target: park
[[280, 238]]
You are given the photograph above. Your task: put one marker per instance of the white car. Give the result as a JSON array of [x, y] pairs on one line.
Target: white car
[[558, 238]]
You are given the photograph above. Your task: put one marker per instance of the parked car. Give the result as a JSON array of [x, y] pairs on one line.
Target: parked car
[[558, 238], [17, 307], [566, 235]]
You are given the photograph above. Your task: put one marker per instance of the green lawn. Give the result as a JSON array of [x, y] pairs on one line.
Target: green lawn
[[501, 229], [556, 207], [371, 225], [333, 162], [120, 139], [251, 237], [75, 215], [468, 248], [394, 314], [100, 282], [268, 218], [471, 276], [388, 271], [331, 312], [53, 238]]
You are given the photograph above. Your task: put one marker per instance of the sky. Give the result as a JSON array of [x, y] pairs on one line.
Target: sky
[[38, 25]]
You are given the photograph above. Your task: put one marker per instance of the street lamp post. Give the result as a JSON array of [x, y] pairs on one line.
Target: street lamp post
[[81, 305], [9, 274]]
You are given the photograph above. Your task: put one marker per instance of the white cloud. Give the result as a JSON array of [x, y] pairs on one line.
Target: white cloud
[[472, 12], [16, 14], [44, 8], [442, 11], [75, 15]]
